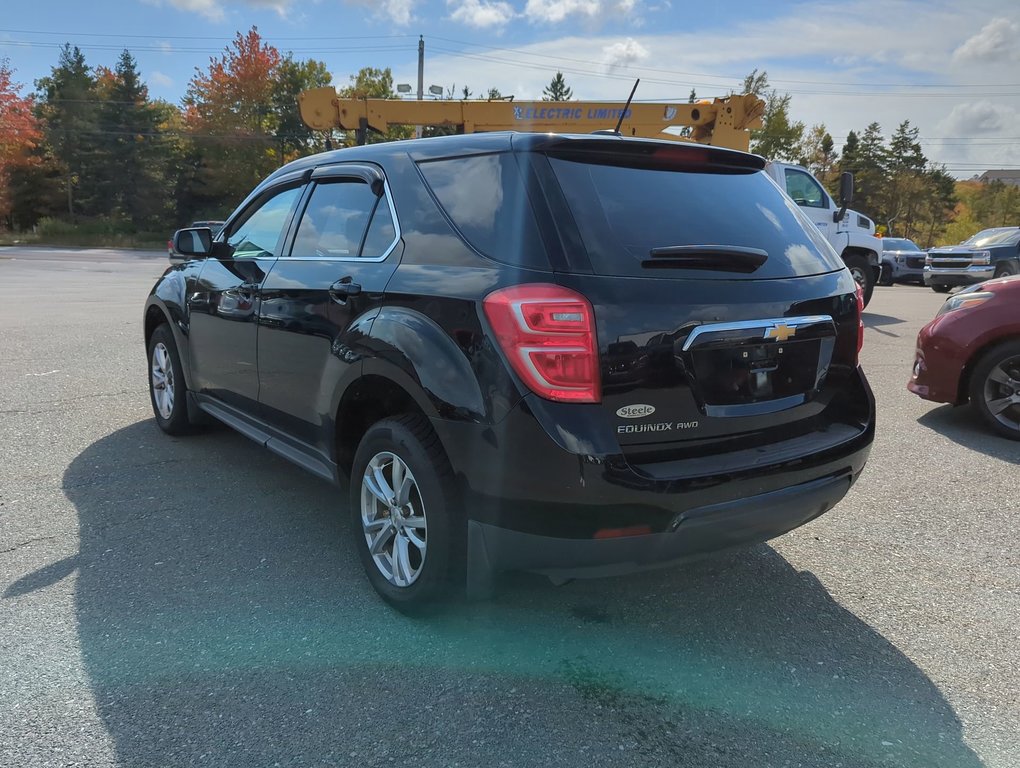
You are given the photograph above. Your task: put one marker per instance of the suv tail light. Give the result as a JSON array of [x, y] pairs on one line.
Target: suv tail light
[[548, 334], [860, 320]]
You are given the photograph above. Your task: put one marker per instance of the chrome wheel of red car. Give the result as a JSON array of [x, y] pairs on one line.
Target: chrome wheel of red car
[[995, 389]]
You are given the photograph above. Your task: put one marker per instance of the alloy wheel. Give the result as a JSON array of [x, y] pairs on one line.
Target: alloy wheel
[[1002, 392], [393, 519], [162, 371]]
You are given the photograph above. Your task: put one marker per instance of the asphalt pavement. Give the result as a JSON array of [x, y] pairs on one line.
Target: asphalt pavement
[[197, 601]]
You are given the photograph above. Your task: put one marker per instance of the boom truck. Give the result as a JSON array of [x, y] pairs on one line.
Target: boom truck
[[722, 122]]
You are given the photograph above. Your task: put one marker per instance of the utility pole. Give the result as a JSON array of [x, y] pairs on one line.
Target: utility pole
[[421, 78]]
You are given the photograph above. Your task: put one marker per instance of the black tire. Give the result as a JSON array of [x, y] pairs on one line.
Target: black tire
[[1004, 359], [887, 275], [174, 419], [411, 439], [1006, 269], [940, 288], [863, 274]]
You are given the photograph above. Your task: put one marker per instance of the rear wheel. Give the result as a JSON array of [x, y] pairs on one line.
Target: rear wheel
[[995, 388], [1006, 269], [862, 272], [940, 288], [167, 390], [404, 513]]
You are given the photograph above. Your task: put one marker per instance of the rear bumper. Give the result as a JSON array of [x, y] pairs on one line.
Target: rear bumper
[[694, 532], [550, 495]]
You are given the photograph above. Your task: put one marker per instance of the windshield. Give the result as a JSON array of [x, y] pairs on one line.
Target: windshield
[[899, 244], [624, 212], [1002, 236]]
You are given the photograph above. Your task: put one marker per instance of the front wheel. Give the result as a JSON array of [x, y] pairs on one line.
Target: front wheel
[[940, 288], [1006, 269], [167, 390], [864, 276], [887, 275], [995, 388], [404, 512]]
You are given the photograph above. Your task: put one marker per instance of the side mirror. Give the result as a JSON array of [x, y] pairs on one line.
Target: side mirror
[[846, 195], [193, 243]]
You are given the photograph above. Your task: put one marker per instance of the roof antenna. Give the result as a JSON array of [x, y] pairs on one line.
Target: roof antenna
[[626, 106]]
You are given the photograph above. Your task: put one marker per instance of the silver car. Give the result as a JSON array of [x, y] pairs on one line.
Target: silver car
[[902, 261]]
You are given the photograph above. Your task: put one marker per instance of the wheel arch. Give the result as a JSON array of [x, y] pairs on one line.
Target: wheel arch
[[369, 399], [963, 388]]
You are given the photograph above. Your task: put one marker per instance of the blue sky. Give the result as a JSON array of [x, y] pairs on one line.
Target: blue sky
[[953, 69]]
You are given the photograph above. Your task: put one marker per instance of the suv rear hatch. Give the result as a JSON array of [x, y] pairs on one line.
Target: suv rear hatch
[[721, 313]]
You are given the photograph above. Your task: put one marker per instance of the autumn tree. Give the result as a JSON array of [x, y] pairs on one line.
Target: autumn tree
[[819, 154], [229, 109], [557, 90], [20, 134]]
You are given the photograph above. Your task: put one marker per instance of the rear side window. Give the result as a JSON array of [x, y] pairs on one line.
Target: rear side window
[[345, 219], [623, 212], [485, 198]]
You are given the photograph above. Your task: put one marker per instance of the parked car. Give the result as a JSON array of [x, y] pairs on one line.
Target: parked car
[[174, 256], [989, 253], [971, 352], [558, 354], [902, 261]]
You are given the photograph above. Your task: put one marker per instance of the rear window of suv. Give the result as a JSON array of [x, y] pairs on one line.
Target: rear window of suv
[[485, 198], [622, 212]]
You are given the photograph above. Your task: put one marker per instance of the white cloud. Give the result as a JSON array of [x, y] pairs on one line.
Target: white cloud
[[165, 47], [481, 14], [158, 78], [214, 9], [978, 117], [623, 53], [211, 9], [998, 40], [555, 11]]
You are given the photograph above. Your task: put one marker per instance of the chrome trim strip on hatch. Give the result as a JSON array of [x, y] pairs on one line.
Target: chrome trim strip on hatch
[[764, 326]]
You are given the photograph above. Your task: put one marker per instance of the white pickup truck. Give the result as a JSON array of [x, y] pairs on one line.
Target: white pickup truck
[[852, 234]]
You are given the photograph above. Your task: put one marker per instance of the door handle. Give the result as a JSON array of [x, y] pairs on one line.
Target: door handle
[[342, 289]]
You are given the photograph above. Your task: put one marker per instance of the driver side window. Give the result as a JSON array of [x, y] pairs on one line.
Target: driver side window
[[804, 190], [259, 233]]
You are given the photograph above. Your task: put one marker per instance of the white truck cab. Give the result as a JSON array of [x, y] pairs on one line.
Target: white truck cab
[[852, 234]]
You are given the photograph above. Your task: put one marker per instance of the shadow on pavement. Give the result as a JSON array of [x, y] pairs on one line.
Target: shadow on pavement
[[877, 322], [963, 425], [224, 620]]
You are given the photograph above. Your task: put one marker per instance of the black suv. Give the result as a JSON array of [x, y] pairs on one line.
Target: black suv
[[573, 355]]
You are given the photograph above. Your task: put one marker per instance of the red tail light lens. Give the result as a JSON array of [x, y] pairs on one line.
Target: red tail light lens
[[860, 321], [548, 334]]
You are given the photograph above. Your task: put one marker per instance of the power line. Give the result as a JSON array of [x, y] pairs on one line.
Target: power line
[[731, 78], [194, 37]]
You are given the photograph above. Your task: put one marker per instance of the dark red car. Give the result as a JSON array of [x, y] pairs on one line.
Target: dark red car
[[971, 351]]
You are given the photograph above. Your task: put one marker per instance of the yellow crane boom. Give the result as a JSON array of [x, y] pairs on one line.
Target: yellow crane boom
[[725, 122]]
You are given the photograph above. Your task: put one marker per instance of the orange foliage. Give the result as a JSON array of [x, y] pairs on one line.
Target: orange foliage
[[20, 132]]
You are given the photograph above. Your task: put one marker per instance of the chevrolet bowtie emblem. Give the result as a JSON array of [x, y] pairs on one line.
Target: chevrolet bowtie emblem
[[780, 332]]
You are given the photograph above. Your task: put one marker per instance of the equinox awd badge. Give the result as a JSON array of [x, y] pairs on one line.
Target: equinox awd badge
[[636, 411]]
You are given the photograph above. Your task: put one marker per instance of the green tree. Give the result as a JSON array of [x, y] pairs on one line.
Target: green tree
[[557, 90], [291, 78], [68, 111], [130, 167], [779, 138], [372, 83]]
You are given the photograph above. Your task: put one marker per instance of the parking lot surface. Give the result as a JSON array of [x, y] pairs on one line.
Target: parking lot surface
[[197, 601]]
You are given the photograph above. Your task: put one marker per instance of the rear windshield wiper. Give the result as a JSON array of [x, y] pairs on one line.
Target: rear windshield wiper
[[719, 258]]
